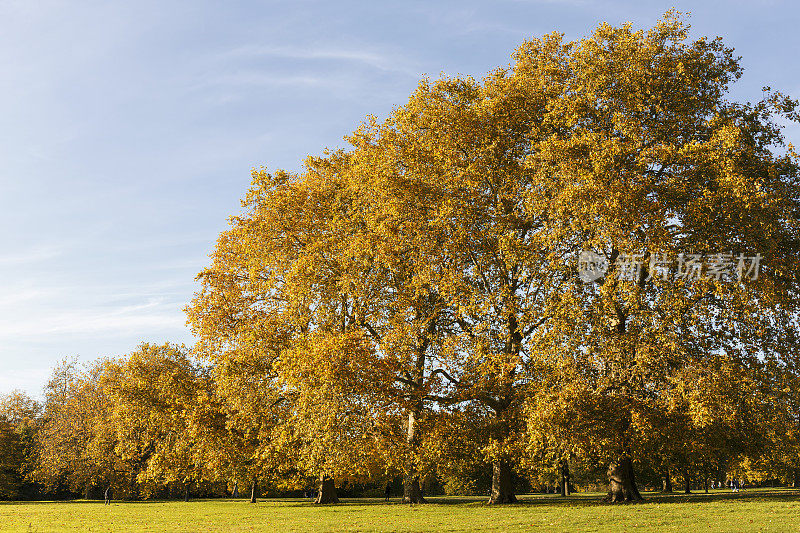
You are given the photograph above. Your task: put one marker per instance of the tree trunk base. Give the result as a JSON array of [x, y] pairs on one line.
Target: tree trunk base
[[327, 492], [412, 492], [254, 491], [502, 486], [622, 483], [666, 486], [565, 478]]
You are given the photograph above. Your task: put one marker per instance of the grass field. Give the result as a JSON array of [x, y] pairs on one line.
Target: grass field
[[756, 510]]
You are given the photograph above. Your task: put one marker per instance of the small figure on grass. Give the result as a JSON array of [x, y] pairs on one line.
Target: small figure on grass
[[109, 495]]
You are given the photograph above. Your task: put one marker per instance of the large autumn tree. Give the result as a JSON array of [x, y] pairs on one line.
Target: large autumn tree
[[652, 169], [281, 323], [455, 155]]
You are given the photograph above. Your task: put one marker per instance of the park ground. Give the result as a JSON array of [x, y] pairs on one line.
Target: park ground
[[752, 510]]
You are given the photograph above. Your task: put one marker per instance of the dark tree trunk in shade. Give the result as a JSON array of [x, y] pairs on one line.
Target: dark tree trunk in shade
[[186, 492], [327, 491], [502, 483], [687, 483], [254, 491], [565, 477], [796, 478], [666, 482], [622, 482], [412, 492]]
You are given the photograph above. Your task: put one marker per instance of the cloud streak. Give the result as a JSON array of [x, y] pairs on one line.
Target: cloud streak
[[153, 315], [33, 255], [380, 61]]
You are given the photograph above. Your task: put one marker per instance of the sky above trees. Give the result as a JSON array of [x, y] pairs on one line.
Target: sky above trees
[[129, 131]]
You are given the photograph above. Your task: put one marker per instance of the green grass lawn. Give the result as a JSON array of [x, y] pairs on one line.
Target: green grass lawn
[[754, 510]]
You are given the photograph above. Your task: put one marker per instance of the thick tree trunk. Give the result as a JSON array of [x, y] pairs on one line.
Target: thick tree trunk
[[327, 491], [564, 468], [254, 491], [186, 492], [235, 489], [622, 482], [412, 493], [134, 487], [796, 476], [687, 483], [502, 486], [666, 485]]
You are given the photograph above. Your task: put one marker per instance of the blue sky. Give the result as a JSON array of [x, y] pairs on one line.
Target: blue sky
[[128, 131]]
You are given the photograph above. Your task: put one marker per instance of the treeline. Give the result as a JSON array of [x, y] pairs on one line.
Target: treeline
[[155, 424], [419, 304]]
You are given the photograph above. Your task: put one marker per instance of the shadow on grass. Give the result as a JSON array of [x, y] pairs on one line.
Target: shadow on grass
[[776, 495], [525, 500], [596, 499]]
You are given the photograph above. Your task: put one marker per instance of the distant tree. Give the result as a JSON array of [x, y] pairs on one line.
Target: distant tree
[[11, 458], [22, 413], [154, 404], [77, 440]]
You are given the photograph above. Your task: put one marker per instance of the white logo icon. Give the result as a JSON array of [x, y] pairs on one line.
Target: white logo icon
[[591, 266]]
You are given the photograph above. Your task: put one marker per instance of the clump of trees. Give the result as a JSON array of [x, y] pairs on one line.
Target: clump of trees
[[412, 306]]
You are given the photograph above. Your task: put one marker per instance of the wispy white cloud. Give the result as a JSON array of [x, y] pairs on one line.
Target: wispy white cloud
[[31, 255], [28, 378], [13, 296], [164, 241], [382, 61], [495, 27], [155, 314], [130, 319], [229, 76], [560, 2], [267, 79]]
